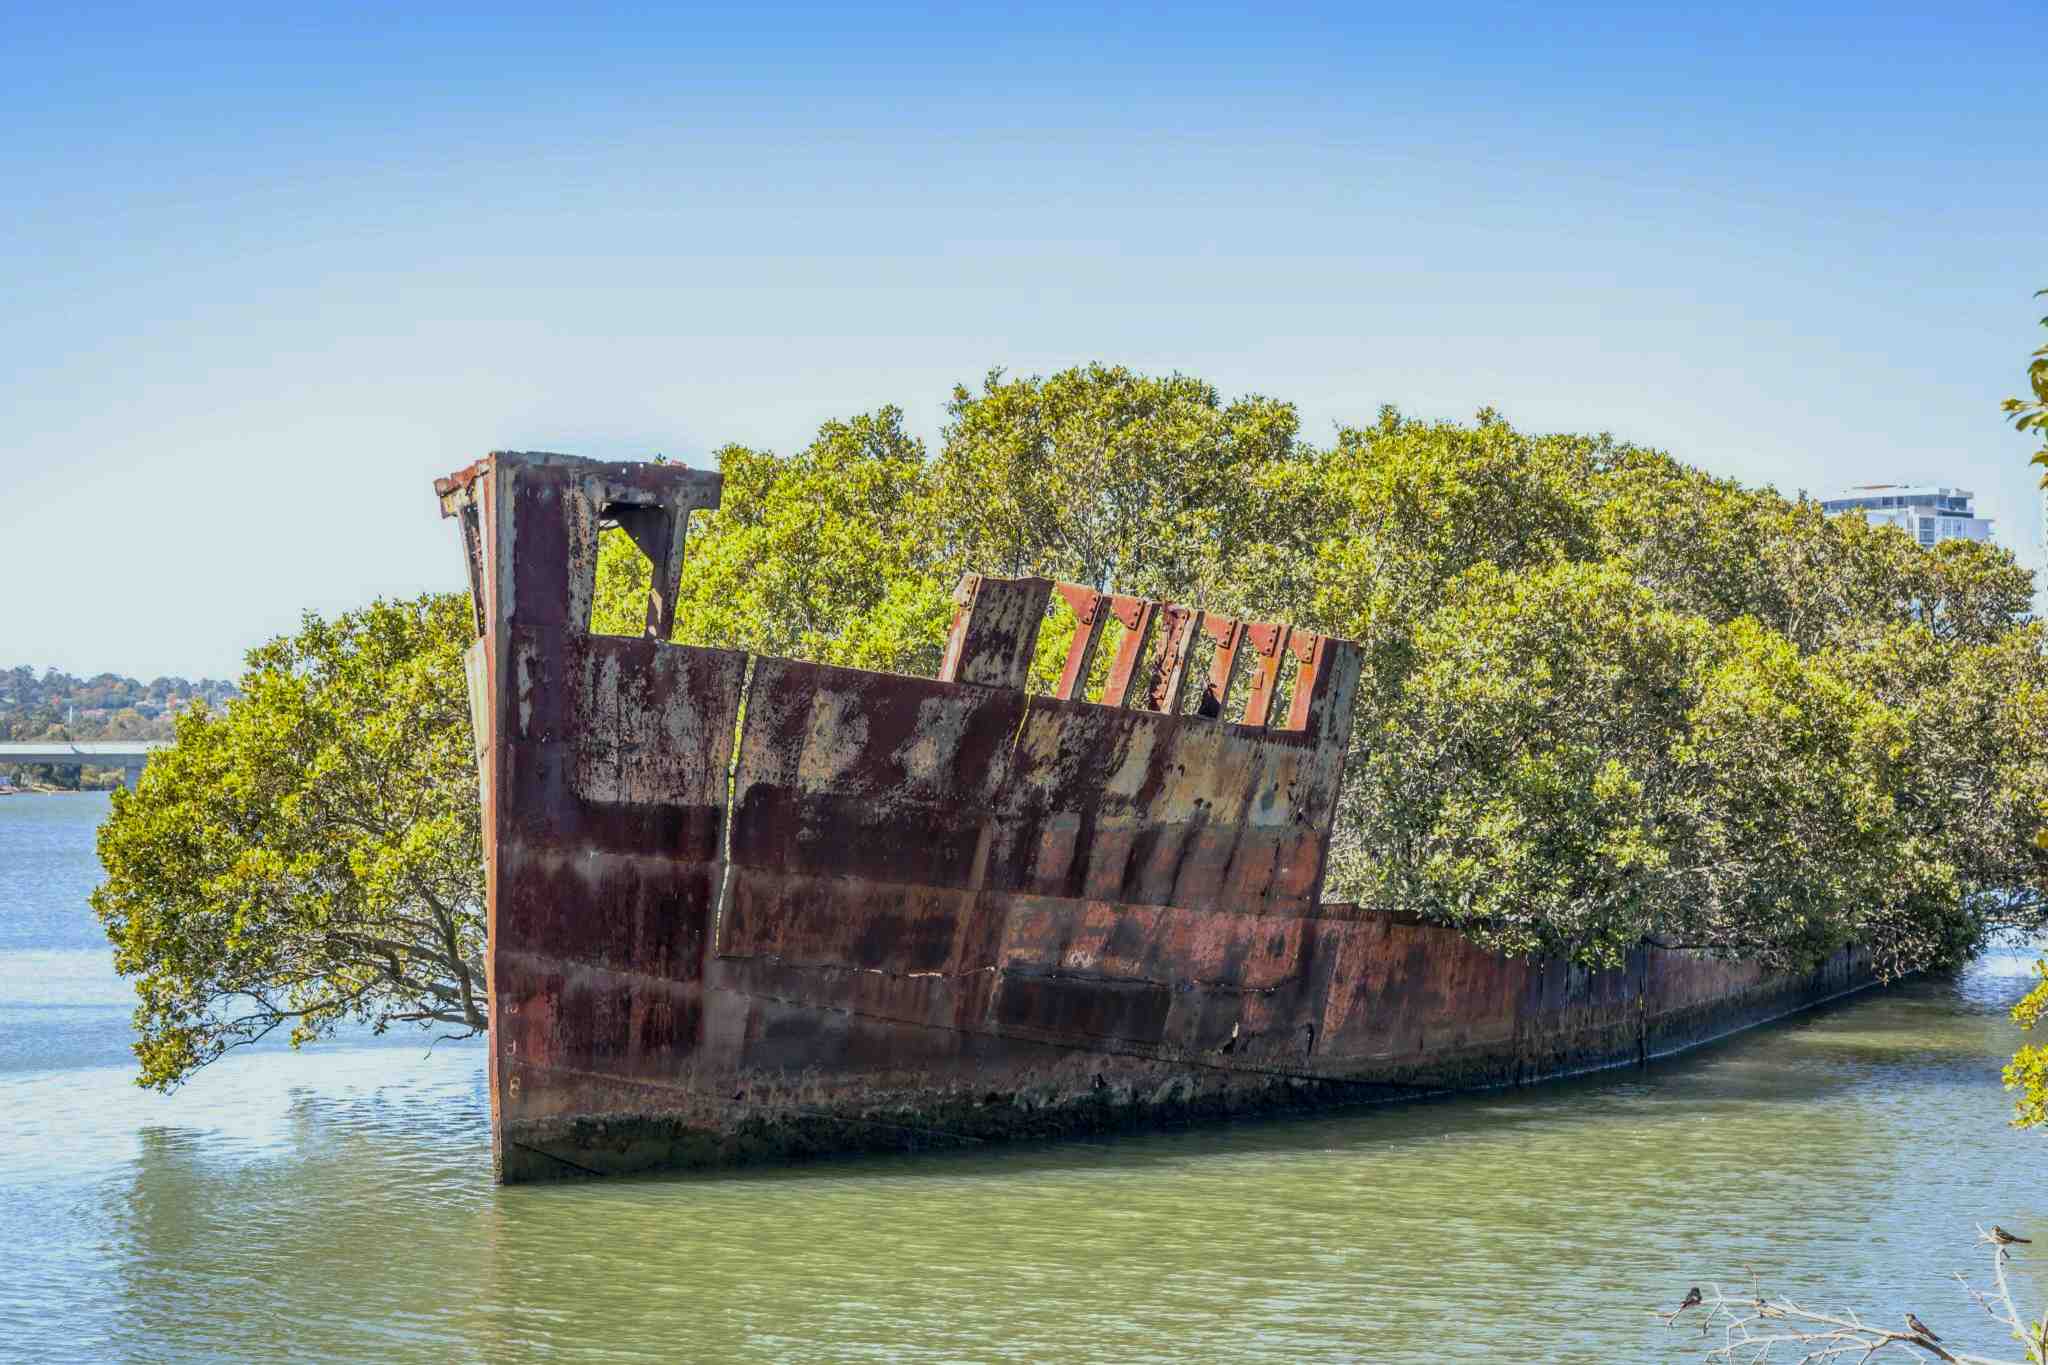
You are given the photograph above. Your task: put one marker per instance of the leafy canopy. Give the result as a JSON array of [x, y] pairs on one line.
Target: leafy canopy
[[310, 855], [830, 555], [2028, 1072], [1610, 699]]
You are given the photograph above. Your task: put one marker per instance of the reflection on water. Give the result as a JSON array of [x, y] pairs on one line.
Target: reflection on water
[[334, 1204]]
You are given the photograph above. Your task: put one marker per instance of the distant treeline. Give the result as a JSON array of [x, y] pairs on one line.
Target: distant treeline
[[54, 705]]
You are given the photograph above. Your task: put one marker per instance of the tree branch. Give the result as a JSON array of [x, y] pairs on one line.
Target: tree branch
[[1753, 1326]]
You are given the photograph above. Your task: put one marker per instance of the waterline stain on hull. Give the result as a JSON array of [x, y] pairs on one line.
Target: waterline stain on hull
[[745, 908]]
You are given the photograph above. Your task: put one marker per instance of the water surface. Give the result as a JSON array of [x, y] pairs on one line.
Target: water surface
[[334, 1204]]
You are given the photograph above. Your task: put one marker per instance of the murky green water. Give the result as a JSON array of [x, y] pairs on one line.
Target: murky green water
[[333, 1205]]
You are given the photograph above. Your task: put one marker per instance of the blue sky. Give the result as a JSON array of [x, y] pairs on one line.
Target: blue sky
[[265, 273]]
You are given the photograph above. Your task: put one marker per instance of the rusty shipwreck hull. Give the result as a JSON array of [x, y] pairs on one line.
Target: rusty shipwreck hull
[[748, 908]]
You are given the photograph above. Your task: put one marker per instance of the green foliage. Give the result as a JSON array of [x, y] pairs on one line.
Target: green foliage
[[1512, 784], [1097, 475], [1612, 698], [1963, 591], [2028, 1070], [1717, 549], [310, 854], [1572, 768], [1383, 525], [1609, 698], [1799, 824], [2031, 413], [832, 555]]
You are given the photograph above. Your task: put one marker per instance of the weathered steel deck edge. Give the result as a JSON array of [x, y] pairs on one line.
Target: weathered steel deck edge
[[743, 908], [771, 1120]]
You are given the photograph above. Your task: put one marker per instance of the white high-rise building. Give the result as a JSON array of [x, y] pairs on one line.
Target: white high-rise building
[[1928, 513]]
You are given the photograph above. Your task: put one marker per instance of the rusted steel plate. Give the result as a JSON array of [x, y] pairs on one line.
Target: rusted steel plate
[[995, 629], [1266, 642], [603, 765], [1084, 1010], [1228, 637], [850, 773], [1130, 805], [1177, 626], [1135, 615], [1090, 615]]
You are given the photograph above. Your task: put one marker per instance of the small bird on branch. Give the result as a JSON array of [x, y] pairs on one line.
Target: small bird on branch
[[2006, 1239], [1692, 1299], [1921, 1328]]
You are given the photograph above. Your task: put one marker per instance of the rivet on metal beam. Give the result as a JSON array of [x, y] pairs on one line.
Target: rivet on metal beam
[[1308, 647], [1136, 615], [1086, 604], [1266, 641], [1177, 626], [1228, 637]]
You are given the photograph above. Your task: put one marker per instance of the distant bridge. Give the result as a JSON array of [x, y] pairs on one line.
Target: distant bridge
[[126, 754]]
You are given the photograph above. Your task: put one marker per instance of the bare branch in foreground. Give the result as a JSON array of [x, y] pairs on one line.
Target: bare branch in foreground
[[1753, 1327]]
